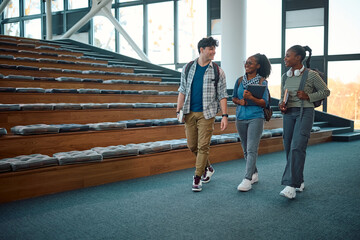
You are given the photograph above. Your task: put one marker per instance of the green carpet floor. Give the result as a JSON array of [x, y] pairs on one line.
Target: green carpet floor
[[164, 207]]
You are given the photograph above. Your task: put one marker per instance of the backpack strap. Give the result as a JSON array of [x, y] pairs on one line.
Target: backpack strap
[[187, 69], [217, 77], [301, 88]]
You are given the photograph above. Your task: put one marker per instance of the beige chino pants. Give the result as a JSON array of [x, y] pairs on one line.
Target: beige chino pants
[[198, 133]]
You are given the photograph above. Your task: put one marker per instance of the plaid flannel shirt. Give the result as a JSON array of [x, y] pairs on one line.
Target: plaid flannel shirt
[[211, 105]]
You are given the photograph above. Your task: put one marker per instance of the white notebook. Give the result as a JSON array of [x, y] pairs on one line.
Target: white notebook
[[180, 116]]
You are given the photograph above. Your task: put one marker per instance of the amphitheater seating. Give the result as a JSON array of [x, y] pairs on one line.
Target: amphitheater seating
[[78, 121]]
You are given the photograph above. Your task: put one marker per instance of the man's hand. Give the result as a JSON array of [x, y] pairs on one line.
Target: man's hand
[[224, 123]]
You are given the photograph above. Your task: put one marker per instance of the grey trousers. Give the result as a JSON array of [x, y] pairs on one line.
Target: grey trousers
[[250, 132], [296, 134]]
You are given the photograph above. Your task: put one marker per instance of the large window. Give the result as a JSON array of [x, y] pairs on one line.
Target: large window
[[131, 19], [344, 34], [12, 9], [104, 33], [161, 32], [12, 29], [33, 28], [74, 4], [344, 85], [192, 27], [308, 36], [275, 80], [263, 33], [32, 7]]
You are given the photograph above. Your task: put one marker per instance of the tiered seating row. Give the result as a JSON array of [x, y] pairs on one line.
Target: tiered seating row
[[136, 132], [99, 153]]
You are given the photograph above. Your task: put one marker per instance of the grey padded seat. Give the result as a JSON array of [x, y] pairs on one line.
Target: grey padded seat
[[21, 67], [88, 91], [26, 59], [30, 90], [137, 123], [33, 161], [74, 157], [48, 60], [1, 76], [71, 71], [107, 126], [178, 144], [34, 129], [109, 91], [120, 105], [48, 54], [149, 92], [72, 127], [276, 132], [165, 122], [129, 92], [92, 80], [149, 82], [166, 105], [68, 79], [10, 57], [46, 47], [5, 166], [116, 151], [7, 66], [266, 134], [44, 79], [37, 107], [144, 105], [3, 131], [315, 129], [7, 89], [19, 77], [170, 83], [27, 45], [168, 93], [67, 106], [65, 62], [114, 81], [48, 69], [57, 90], [151, 147], [94, 105], [10, 107]]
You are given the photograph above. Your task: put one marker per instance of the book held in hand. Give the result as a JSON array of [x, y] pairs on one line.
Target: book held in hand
[[180, 116], [257, 91], [286, 96]]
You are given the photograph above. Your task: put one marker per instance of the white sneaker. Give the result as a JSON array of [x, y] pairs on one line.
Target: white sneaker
[[255, 178], [245, 185], [288, 192], [301, 188]]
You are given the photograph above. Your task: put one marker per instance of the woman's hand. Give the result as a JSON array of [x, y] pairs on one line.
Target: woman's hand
[[302, 95], [247, 94], [237, 101], [282, 107]]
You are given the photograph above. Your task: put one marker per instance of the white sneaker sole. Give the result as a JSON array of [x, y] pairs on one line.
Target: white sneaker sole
[[287, 196]]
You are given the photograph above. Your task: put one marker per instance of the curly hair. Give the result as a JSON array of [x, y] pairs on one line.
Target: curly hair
[[265, 66], [207, 42]]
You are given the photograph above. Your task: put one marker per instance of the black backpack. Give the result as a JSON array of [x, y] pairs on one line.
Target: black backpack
[[217, 74]]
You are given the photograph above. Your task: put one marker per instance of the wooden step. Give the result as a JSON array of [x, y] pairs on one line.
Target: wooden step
[[10, 119], [23, 98], [49, 180], [77, 85], [67, 57], [64, 66], [56, 74], [48, 144]]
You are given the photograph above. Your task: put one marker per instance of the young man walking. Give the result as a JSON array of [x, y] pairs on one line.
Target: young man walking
[[202, 93]]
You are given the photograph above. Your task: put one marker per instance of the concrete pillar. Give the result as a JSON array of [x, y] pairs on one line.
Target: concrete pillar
[[233, 39], [48, 20]]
